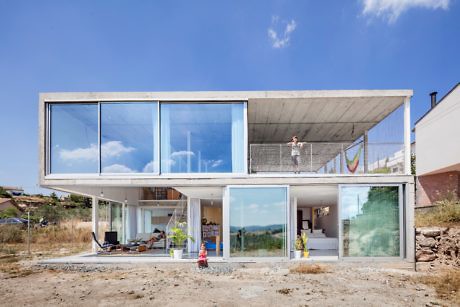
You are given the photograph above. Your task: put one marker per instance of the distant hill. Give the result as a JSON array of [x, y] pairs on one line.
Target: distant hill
[[255, 228]]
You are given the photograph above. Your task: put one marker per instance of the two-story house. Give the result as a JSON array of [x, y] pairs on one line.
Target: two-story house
[[224, 162]]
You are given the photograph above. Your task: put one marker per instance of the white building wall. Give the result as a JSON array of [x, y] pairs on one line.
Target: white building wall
[[438, 138]]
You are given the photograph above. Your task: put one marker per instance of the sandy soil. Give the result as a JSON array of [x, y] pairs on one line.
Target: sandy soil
[[269, 284]]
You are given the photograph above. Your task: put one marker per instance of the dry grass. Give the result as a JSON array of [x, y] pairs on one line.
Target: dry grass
[[11, 234], [64, 233], [446, 284], [446, 213], [308, 269]]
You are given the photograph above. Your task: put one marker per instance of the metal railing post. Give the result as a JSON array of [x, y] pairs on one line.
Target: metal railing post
[[280, 156], [311, 157]]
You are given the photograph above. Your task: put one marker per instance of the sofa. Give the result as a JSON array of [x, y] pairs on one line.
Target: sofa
[[145, 236]]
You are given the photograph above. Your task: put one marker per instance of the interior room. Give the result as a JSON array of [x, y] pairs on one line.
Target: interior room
[[211, 226], [317, 216]]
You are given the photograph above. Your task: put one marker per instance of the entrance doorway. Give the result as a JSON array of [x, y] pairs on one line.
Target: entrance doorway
[[211, 226], [317, 215]]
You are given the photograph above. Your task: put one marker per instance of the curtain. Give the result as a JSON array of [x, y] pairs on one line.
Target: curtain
[[194, 224], [237, 138], [165, 138]]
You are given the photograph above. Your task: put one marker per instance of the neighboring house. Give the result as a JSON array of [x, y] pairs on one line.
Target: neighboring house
[[6, 203], [14, 191], [221, 162], [438, 150]]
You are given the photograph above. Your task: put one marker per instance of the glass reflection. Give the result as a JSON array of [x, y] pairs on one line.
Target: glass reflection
[[370, 221], [202, 138], [73, 138], [127, 137], [258, 218]]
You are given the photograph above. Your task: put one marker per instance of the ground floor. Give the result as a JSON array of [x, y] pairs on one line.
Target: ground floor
[[339, 220]]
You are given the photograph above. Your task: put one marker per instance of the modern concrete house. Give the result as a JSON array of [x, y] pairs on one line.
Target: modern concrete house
[[438, 149], [223, 162]]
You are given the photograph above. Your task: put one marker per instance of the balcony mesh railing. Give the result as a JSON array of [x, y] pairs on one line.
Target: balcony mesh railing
[[331, 158]]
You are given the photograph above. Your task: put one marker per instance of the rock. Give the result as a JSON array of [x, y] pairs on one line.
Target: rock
[[431, 232], [425, 255], [427, 242]]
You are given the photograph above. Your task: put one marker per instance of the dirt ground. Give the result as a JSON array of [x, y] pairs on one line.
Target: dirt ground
[[266, 284]]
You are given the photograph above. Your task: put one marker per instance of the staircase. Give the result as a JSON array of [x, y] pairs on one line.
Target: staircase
[[179, 216]]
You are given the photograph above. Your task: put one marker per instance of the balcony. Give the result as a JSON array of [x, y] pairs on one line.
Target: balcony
[[329, 158]]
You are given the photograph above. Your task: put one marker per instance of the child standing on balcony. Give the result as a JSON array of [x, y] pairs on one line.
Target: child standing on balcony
[[295, 152], [202, 257]]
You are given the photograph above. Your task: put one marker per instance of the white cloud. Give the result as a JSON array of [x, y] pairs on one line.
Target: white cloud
[[182, 153], [392, 9], [280, 39], [108, 150], [114, 149], [117, 168], [216, 163], [89, 153], [150, 167]]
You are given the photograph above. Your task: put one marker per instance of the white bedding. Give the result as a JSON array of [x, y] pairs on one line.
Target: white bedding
[[323, 243]]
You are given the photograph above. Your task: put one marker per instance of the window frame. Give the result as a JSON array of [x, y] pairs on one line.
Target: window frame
[[157, 150]]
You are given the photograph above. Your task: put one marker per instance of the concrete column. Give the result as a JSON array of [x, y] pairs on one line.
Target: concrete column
[[194, 224], [410, 221], [366, 152], [95, 220], [407, 152], [123, 223]]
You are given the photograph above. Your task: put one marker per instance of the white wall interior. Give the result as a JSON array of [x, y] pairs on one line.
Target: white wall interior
[[312, 196]]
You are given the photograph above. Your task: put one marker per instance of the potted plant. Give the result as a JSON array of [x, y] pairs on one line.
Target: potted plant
[[306, 253], [298, 248], [178, 237]]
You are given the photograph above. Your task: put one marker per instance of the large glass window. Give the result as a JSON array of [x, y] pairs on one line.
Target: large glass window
[[202, 138], [370, 221], [258, 219], [128, 137], [74, 138], [116, 220]]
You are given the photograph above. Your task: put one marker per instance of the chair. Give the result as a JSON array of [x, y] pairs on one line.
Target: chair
[[110, 237], [106, 247]]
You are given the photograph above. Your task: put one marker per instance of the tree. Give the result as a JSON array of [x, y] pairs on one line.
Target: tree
[[9, 212], [4, 193]]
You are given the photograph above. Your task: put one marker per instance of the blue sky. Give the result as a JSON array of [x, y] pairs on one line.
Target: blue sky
[[214, 45]]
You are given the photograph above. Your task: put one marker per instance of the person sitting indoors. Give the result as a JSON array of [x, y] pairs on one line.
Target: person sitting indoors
[[202, 257], [156, 238]]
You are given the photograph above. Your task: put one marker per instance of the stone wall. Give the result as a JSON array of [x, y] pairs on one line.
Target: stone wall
[[437, 246]]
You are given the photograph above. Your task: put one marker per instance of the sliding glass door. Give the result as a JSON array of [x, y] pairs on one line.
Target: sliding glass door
[[257, 218], [370, 221]]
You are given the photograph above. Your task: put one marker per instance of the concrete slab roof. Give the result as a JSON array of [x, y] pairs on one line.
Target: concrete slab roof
[[218, 95]]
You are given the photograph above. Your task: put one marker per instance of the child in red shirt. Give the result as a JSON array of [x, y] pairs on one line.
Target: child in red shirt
[[202, 257]]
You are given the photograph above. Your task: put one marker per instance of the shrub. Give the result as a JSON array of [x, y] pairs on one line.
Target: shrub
[[308, 269], [11, 234], [445, 213]]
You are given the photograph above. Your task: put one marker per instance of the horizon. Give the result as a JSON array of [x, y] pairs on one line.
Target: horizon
[[115, 46]]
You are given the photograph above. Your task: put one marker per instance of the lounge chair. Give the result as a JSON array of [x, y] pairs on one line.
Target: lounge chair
[[106, 247]]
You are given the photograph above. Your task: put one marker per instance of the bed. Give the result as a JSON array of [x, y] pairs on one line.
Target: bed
[[318, 240]]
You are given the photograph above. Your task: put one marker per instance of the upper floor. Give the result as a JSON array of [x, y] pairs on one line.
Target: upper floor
[[223, 134]]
